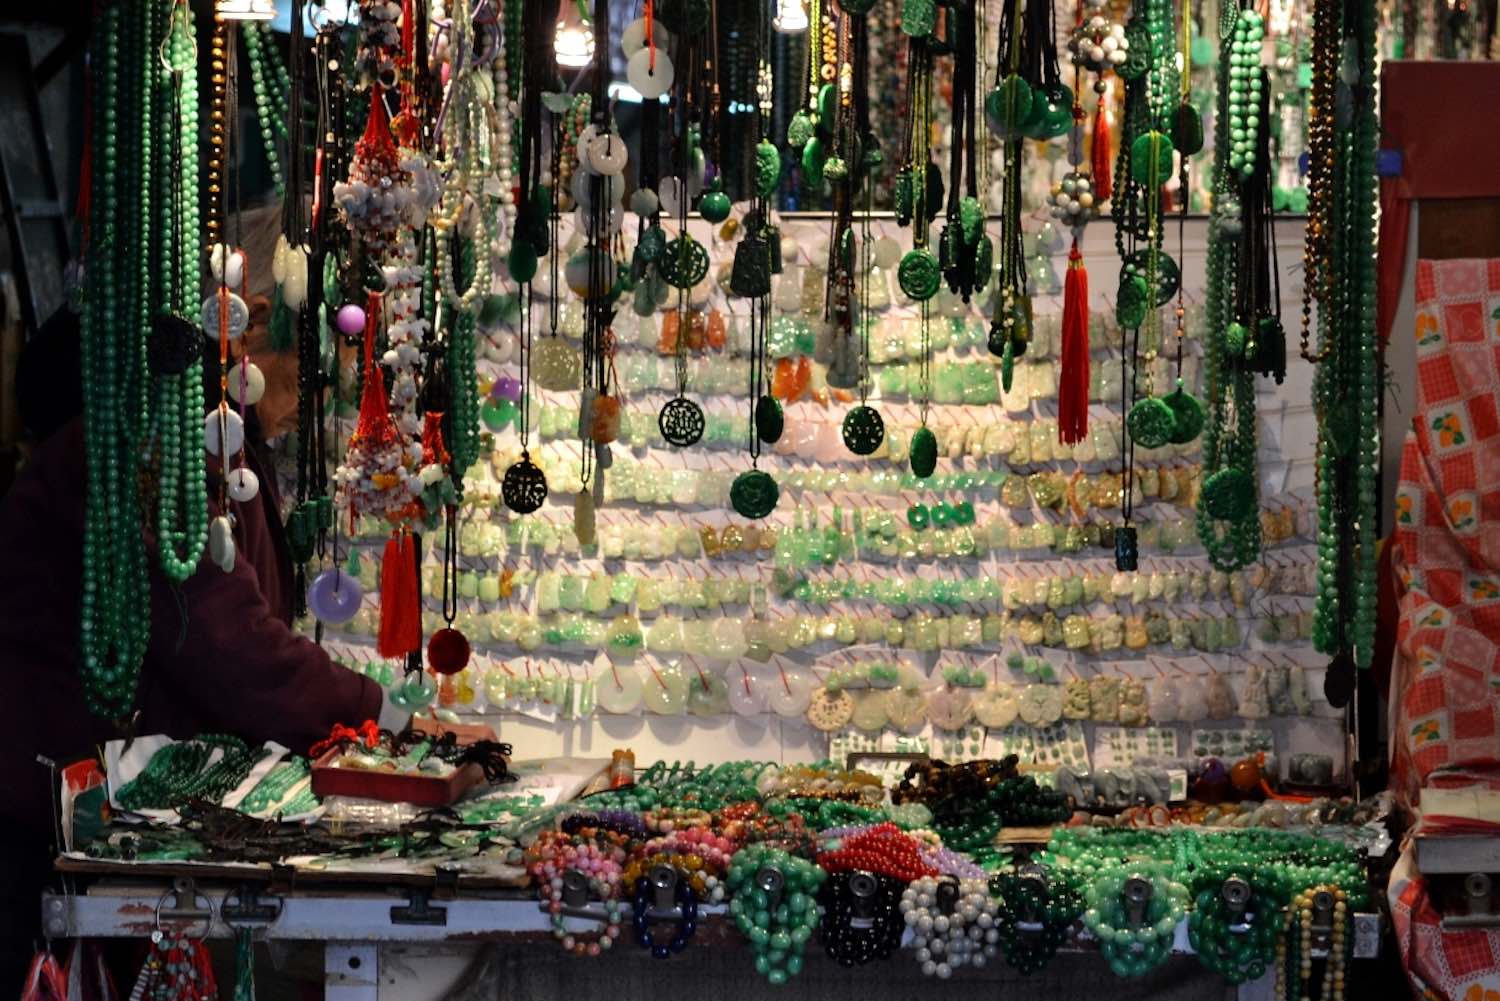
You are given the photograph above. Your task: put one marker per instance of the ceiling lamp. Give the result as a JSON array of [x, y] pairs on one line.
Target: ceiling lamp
[[790, 18], [574, 46], [244, 10]]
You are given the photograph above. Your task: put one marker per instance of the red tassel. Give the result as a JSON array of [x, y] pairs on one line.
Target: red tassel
[[375, 429], [1099, 155], [1073, 382], [400, 605], [377, 147]]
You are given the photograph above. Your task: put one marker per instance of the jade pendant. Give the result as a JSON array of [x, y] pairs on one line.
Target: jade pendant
[[1008, 107], [769, 419], [923, 452]]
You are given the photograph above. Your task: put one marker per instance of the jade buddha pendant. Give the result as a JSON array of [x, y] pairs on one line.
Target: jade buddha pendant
[[798, 132], [767, 168]]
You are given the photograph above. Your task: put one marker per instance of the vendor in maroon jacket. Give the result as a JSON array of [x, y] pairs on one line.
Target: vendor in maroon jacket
[[222, 656]]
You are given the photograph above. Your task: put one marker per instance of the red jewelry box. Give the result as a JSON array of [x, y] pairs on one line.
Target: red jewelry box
[[390, 787]]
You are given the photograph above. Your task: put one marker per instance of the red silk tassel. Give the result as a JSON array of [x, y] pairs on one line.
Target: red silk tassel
[[1100, 159], [400, 605], [1073, 382]]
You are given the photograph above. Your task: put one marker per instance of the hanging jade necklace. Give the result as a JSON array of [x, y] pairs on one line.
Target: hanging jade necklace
[[176, 345], [1228, 508], [754, 493], [965, 253], [1347, 383], [919, 194]]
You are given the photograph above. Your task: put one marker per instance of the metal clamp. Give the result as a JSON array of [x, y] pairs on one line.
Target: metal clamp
[[1236, 894], [1475, 904], [863, 887], [773, 882], [662, 880], [1137, 893], [576, 899], [418, 910], [248, 906], [184, 896], [1322, 921], [945, 897], [1030, 919]]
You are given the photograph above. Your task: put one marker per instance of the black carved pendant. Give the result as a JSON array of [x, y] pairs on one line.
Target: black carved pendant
[[681, 422], [754, 494], [863, 430], [524, 486], [174, 346], [751, 274]]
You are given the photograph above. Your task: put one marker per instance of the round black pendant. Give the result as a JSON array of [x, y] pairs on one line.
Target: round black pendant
[[754, 494], [524, 486], [1187, 414], [1151, 422], [863, 430], [924, 452], [681, 422], [684, 262], [770, 421], [175, 344]]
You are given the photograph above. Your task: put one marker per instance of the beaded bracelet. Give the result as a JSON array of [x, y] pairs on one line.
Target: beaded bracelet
[[1132, 948], [858, 929], [777, 937], [1236, 938], [947, 936], [686, 901], [550, 857], [1038, 909]]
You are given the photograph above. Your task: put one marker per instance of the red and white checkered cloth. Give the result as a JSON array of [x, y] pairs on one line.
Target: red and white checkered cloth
[[1445, 700]]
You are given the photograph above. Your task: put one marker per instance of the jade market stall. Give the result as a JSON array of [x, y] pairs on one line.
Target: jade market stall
[[815, 496]]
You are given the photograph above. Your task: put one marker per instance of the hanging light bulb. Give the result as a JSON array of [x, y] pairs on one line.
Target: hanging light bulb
[[790, 18], [574, 46], [245, 10]]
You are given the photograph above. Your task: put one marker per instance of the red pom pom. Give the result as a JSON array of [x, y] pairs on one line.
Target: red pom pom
[[448, 651]]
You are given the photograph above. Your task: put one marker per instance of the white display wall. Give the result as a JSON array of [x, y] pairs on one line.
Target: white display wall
[[1265, 603]]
